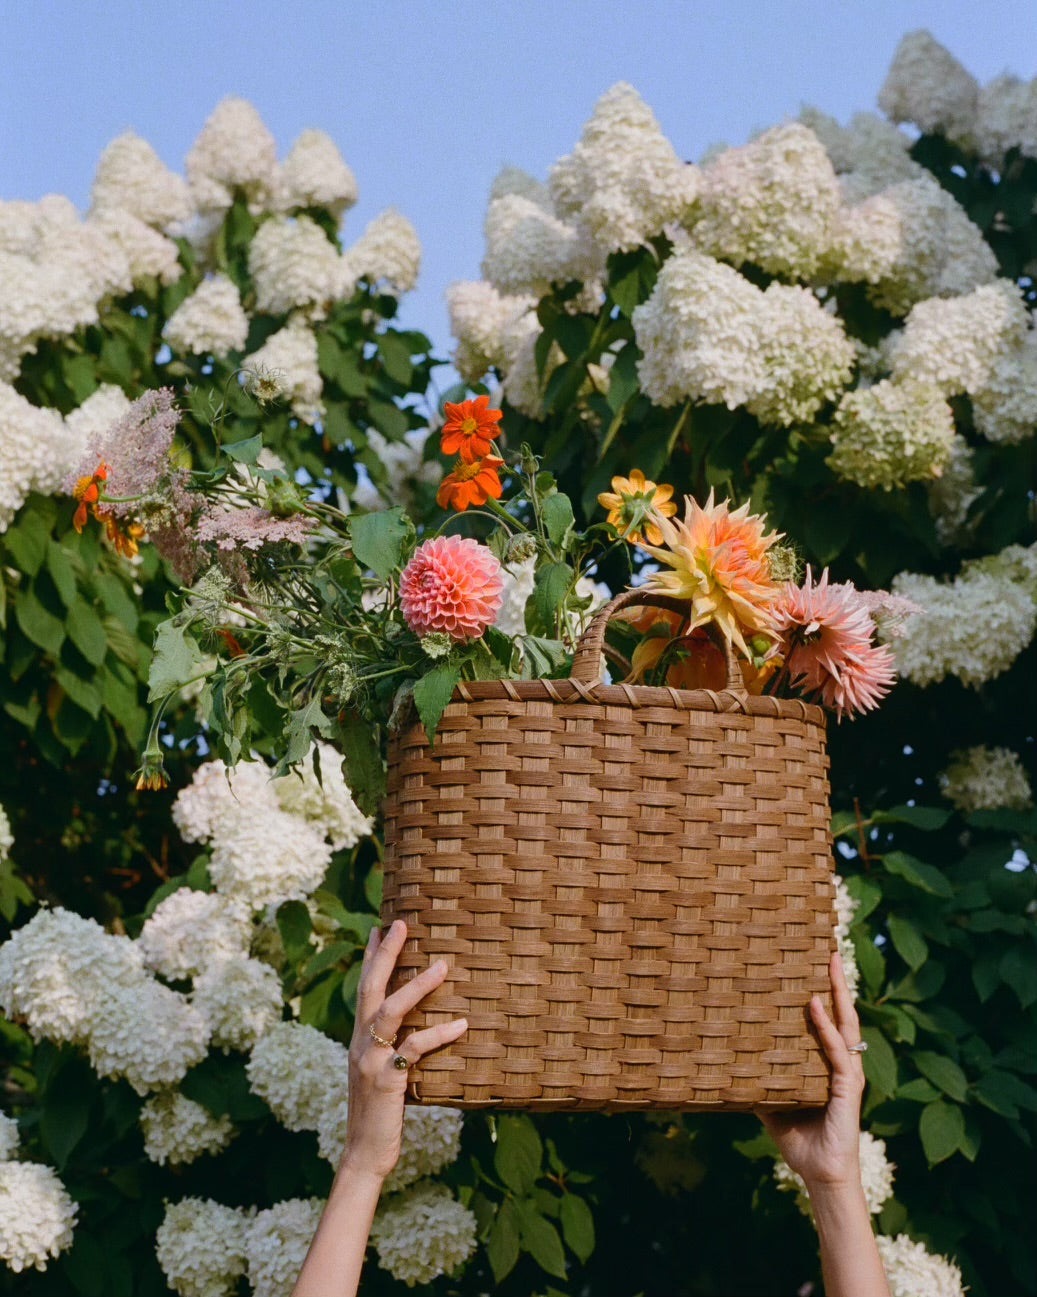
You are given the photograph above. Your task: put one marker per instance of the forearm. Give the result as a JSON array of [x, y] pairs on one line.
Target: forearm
[[850, 1261], [336, 1256]]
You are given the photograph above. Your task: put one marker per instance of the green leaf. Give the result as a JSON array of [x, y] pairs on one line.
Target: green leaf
[[1004, 1092], [880, 1064], [926, 818], [909, 943], [870, 960], [433, 692], [543, 658], [518, 1153], [623, 380], [918, 1091], [60, 568], [916, 872], [942, 1130], [364, 767], [220, 1085], [304, 725], [176, 659], [86, 631], [378, 540], [552, 585], [866, 893], [540, 1239], [81, 691], [944, 1073], [502, 1245], [1018, 968], [44, 629], [577, 1225], [26, 542], [843, 822], [66, 1109], [558, 517], [245, 452], [295, 927]]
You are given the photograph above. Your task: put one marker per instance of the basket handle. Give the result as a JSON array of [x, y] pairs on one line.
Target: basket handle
[[587, 659]]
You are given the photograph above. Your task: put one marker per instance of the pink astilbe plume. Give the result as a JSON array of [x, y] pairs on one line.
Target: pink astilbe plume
[[828, 633], [452, 585], [136, 450]]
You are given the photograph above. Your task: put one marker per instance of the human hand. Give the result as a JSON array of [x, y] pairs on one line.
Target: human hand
[[823, 1144], [376, 1084]]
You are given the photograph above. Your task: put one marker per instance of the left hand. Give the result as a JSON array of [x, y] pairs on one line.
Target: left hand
[[376, 1086], [823, 1144]]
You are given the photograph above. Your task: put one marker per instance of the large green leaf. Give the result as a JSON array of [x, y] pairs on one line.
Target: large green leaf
[[518, 1153], [378, 540], [577, 1225], [176, 660], [432, 694], [926, 878], [502, 1244], [944, 1073], [942, 1130]]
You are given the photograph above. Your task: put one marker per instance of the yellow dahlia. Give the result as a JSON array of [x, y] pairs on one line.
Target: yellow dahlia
[[718, 562], [633, 505]]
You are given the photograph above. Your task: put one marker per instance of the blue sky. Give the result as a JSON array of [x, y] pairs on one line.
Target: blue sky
[[427, 100]]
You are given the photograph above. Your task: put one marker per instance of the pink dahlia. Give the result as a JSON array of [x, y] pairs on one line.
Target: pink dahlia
[[452, 585], [828, 635]]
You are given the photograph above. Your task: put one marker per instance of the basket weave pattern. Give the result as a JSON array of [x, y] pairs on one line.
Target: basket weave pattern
[[633, 888]]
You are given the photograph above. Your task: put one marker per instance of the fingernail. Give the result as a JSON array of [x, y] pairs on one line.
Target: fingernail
[[371, 936], [461, 1025], [440, 966], [397, 925]]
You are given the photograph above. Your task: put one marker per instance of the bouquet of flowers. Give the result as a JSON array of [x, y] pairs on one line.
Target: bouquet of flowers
[[301, 621]]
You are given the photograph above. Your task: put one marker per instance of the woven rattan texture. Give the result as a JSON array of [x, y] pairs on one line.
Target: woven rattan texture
[[633, 888]]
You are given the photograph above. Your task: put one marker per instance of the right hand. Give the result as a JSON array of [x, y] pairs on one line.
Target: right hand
[[376, 1087]]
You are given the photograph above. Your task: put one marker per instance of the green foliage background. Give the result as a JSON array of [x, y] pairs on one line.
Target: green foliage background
[[578, 1204]]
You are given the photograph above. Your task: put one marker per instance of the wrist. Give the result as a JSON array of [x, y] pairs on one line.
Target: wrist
[[356, 1170], [844, 1192]]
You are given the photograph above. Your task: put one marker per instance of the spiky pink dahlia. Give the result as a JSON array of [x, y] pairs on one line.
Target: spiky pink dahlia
[[452, 584], [828, 636]]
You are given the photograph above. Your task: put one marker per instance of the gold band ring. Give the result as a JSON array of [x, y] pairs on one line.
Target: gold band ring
[[389, 1044]]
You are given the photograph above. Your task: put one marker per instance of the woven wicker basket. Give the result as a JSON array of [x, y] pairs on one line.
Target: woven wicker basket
[[632, 886]]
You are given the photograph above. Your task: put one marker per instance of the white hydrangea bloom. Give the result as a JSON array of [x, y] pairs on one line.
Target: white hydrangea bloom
[[405, 465], [1006, 118], [264, 858], [523, 386], [623, 179], [876, 1176], [422, 1233], [233, 151], [131, 177], [480, 318], [315, 175], [431, 1140], [214, 789], [81, 265], [868, 155], [326, 803], [1016, 563], [513, 180], [771, 202], [294, 263], [913, 1271], [291, 352], [388, 252], [1005, 407], [866, 241], [240, 999], [211, 320], [928, 87], [528, 249], [845, 909], [952, 493], [986, 779], [189, 930], [807, 358], [36, 1215], [300, 1073], [18, 224], [177, 1130], [8, 1135], [276, 1243], [941, 252], [146, 1033], [518, 580], [148, 253], [94, 417], [955, 343], [54, 967], [944, 641], [35, 455], [697, 333], [200, 1246], [891, 433]]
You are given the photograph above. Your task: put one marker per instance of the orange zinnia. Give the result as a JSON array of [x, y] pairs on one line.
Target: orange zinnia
[[470, 428], [632, 502], [87, 491], [470, 484]]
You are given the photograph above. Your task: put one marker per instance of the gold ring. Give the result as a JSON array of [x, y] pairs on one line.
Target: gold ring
[[859, 1048], [381, 1039]]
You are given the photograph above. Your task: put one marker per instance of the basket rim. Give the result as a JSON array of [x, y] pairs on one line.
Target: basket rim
[[637, 696]]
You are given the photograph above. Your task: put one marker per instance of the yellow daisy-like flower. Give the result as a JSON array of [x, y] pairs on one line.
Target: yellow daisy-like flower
[[718, 562], [634, 503]]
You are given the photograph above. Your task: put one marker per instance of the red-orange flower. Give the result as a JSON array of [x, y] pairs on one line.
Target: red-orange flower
[[124, 536], [87, 491], [470, 428], [470, 484]]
